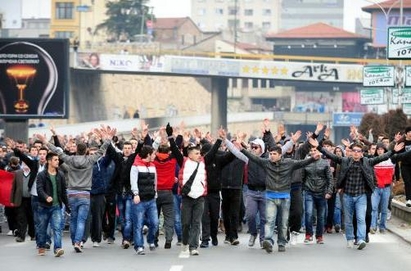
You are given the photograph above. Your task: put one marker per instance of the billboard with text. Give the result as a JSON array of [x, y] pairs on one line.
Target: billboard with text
[[34, 78]]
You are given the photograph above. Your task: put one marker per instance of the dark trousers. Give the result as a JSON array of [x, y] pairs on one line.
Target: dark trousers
[[97, 207], [406, 176], [24, 218], [109, 217], [330, 211], [10, 213], [231, 212], [191, 213], [296, 209], [165, 203], [211, 214]]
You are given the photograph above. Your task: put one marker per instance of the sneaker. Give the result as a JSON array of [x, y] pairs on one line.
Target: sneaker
[[184, 248], [110, 241], [167, 245], [320, 240], [293, 238], [96, 244], [367, 239], [194, 252], [251, 241], [361, 245], [140, 251], [281, 248], [41, 252], [389, 215], [204, 244], [214, 241], [227, 241], [10, 233], [355, 242], [58, 252], [408, 203], [125, 244], [179, 243], [145, 229], [373, 230], [337, 228], [267, 246], [19, 239], [382, 231], [47, 246], [235, 242], [308, 238], [78, 248], [350, 243], [82, 244], [329, 230], [152, 247]]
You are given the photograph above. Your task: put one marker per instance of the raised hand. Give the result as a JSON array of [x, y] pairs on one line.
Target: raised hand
[[266, 124], [295, 136], [327, 132], [10, 143], [221, 133], [313, 142], [319, 128], [52, 130], [399, 146], [345, 142], [169, 130]]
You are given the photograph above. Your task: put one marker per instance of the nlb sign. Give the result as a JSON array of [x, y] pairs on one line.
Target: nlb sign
[[378, 76], [399, 43]]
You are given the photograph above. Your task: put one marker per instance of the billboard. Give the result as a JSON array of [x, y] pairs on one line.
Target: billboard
[[34, 78]]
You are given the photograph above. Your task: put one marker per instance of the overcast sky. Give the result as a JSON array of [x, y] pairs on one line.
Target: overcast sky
[[181, 8]]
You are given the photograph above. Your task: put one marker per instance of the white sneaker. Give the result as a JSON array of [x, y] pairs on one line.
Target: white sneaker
[[389, 215], [184, 248], [293, 238], [194, 252], [96, 244], [408, 203], [10, 233], [350, 243]]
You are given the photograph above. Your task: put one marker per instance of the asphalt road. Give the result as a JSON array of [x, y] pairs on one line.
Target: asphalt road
[[384, 252]]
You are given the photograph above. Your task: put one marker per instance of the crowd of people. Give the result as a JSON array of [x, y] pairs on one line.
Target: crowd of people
[[276, 183]]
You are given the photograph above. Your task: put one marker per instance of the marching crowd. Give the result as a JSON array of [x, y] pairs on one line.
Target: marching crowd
[[278, 184]]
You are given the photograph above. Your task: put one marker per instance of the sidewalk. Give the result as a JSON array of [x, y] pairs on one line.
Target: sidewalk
[[400, 228]]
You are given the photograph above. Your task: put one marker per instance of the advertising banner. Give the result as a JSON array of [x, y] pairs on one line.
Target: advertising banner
[[399, 43], [34, 78], [372, 96], [347, 119], [378, 76]]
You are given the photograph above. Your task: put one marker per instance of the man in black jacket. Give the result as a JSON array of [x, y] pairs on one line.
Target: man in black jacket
[[51, 190]]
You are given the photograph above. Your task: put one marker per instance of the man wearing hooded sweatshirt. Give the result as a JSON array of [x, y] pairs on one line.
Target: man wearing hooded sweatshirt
[[166, 160], [79, 184]]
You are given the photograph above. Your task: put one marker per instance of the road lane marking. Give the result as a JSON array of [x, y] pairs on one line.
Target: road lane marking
[[176, 268]]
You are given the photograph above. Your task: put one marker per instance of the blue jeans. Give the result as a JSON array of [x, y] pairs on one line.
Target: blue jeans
[[141, 212], [282, 208], [380, 196], [337, 209], [124, 208], [35, 207], [48, 215], [359, 204], [255, 210], [177, 217], [320, 202], [80, 207]]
